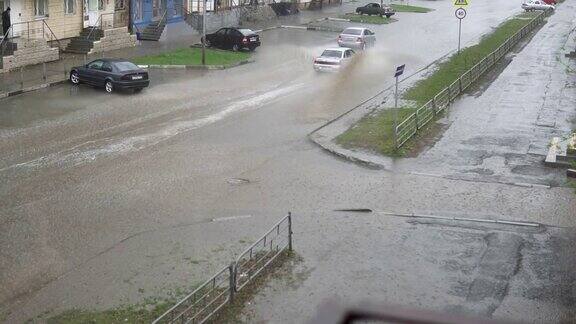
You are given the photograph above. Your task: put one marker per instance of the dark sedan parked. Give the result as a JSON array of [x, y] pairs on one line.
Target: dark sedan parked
[[111, 74], [233, 38], [375, 9]]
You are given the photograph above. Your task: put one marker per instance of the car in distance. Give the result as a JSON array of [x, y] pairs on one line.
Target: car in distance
[[333, 59], [532, 5], [112, 74], [233, 38], [356, 37], [375, 9]]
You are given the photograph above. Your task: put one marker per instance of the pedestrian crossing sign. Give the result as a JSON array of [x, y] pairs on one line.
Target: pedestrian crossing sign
[[461, 3]]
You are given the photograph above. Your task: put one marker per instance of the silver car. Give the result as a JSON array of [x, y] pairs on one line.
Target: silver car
[[357, 37], [333, 59]]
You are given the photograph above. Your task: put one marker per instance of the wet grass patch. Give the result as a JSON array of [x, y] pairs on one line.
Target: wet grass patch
[[375, 132], [193, 56], [145, 312], [407, 8], [451, 69], [364, 19]]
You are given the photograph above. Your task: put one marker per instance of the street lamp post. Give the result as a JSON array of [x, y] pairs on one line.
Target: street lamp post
[[204, 32]]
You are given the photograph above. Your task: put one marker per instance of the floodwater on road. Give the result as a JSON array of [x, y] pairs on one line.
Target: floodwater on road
[[105, 196]]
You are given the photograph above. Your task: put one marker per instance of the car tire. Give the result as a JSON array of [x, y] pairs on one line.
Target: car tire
[[251, 49], [109, 86], [74, 78], [235, 48]]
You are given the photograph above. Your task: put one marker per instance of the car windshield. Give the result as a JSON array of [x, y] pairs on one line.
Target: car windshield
[[332, 53], [352, 31], [125, 66], [246, 32]]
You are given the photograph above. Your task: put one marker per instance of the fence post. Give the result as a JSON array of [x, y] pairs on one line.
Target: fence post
[[290, 229], [22, 77], [416, 119], [44, 71], [232, 269]]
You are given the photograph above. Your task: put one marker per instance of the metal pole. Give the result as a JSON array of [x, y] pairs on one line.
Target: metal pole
[[204, 33], [44, 71], [459, 33], [290, 231], [232, 268], [396, 114]]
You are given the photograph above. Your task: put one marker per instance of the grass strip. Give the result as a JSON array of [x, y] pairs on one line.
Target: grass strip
[[407, 8], [192, 56], [375, 131], [376, 20]]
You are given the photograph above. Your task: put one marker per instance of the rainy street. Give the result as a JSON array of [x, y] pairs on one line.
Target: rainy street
[[107, 199]]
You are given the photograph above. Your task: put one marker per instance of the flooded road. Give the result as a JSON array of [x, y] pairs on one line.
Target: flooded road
[[103, 196]]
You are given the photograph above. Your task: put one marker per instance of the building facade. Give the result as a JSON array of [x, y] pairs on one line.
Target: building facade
[[143, 12]]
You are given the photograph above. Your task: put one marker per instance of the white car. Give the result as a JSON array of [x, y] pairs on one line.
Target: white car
[[333, 59], [357, 37], [531, 5]]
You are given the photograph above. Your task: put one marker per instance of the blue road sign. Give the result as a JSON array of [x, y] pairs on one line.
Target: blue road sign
[[399, 70]]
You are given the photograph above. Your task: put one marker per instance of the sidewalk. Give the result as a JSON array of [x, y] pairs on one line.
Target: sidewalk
[[32, 77], [498, 132]]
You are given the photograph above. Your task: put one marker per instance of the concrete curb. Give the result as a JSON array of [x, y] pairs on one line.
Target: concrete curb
[[32, 88], [195, 67]]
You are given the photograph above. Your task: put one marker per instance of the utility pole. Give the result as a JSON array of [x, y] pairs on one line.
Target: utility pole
[[204, 32], [397, 74]]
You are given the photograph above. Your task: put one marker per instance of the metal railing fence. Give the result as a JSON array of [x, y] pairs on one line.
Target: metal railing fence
[[200, 305], [424, 114]]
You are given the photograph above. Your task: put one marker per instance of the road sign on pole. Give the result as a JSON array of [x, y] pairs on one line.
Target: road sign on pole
[[399, 72], [460, 14], [461, 3]]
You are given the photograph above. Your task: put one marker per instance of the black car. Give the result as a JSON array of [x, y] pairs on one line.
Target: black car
[[233, 38], [375, 9], [112, 74]]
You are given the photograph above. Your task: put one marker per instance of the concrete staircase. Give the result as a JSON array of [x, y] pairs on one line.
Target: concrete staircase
[[101, 41], [29, 52], [83, 43], [153, 31]]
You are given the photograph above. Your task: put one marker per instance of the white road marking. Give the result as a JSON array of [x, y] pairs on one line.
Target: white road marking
[[222, 219]]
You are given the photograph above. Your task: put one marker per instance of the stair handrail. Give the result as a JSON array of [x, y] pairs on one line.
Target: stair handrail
[[93, 27], [51, 33], [161, 18], [134, 23], [4, 40]]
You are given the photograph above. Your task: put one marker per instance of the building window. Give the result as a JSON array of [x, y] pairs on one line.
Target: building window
[[100, 4], [41, 8], [120, 5], [69, 6]]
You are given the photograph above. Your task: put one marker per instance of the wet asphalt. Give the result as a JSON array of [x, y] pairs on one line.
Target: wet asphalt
[[106, 198]]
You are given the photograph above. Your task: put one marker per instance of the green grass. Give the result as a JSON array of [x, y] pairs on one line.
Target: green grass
[[450, 70], [375, 131], [364, 19], [126, 314], [193, 56], [406, 8]]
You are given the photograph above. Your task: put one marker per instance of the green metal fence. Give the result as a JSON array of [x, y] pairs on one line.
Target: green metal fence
[[423, 115]]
